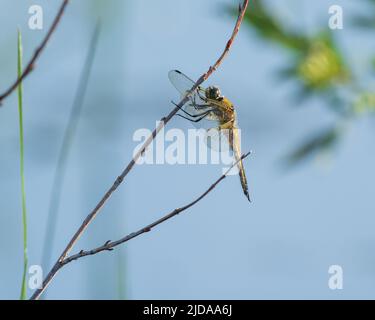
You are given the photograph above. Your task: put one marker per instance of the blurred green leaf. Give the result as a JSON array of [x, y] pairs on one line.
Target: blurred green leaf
[[323, 64], [322, 141]]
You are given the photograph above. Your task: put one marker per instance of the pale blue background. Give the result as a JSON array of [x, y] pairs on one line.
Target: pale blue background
[[301, 221]]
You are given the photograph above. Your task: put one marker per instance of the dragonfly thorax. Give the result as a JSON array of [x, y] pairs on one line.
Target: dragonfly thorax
[[213, 92]]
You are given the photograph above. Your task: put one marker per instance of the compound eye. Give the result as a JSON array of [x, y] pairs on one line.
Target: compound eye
[[216, 92], [213, 92]]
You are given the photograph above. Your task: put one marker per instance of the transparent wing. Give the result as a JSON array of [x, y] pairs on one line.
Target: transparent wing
[[218, 139], [180, 81], [183, 84]]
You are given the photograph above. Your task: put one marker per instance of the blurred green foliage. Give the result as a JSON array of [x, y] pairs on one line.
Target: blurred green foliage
[[365, 103], [319, 68], [317, 63], [322, 65], [322, 141]]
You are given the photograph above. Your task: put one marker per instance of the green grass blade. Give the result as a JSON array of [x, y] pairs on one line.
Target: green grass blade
[[22, 171]]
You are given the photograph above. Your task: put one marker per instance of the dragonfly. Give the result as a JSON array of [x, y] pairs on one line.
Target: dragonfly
[[209, 104]]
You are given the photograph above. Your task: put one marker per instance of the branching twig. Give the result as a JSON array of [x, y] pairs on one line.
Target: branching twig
[[109, 245], [120, 178], [38, 51]]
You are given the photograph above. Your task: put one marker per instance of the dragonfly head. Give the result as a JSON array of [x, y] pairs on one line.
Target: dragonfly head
[[213, 92]]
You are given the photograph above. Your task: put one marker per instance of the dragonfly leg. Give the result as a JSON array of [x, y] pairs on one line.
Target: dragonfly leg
[[205, 114], [198, 94], [194, 115]]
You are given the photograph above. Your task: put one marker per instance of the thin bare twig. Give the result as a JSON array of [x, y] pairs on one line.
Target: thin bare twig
[[91, 216], [38, 51], [109, 245]]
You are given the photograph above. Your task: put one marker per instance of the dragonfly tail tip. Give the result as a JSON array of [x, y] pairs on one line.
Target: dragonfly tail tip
[[248, 197]]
